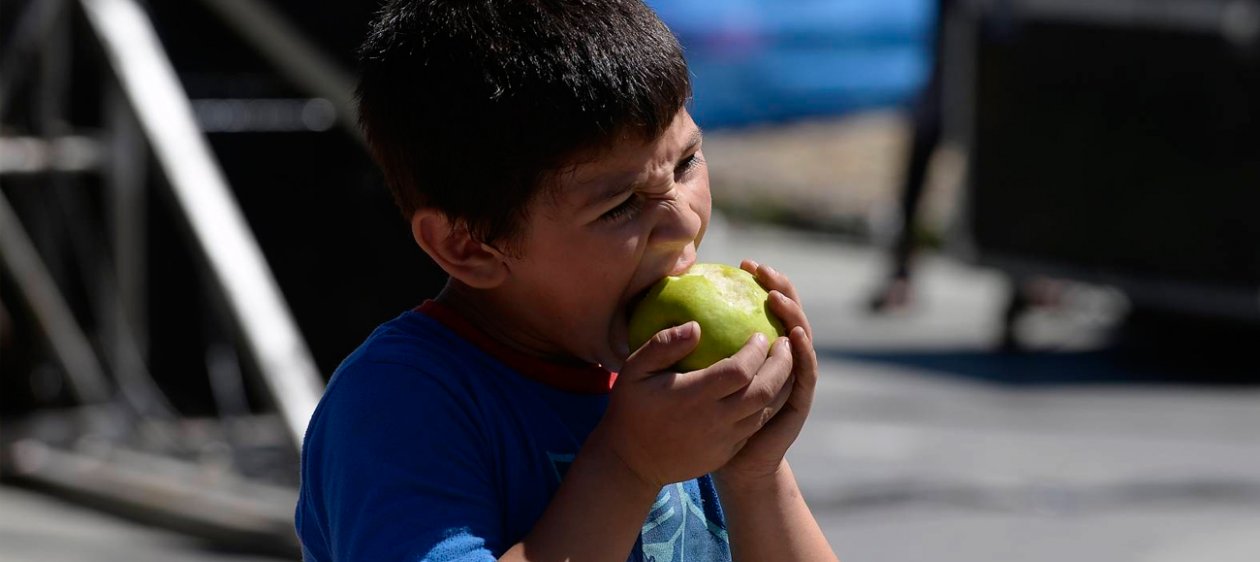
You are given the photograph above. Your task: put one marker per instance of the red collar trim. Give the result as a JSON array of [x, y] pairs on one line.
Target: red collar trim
[[584, 379]]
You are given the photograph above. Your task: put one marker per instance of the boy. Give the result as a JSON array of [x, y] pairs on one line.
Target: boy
[[542, 153]]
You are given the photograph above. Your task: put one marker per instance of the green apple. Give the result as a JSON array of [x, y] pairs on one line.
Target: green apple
[[726, 301]]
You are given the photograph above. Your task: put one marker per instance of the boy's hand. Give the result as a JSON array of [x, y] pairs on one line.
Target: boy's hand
[[667, 427], [762, 456]]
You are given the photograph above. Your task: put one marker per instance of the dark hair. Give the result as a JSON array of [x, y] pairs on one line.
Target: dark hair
[[469, 105]]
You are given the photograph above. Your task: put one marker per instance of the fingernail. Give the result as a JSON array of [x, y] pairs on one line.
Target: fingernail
[[781, 342], [759, 338], [686, 330]]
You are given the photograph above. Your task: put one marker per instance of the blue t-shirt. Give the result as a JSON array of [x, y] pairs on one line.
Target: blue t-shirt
[[433, 442]]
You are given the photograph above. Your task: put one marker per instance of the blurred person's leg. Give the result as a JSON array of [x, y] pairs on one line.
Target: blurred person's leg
[[926, 122]]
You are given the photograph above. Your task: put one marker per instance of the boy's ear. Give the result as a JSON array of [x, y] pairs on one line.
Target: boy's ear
[[473, 263]]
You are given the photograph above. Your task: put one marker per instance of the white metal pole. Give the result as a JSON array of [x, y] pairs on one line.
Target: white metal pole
[[202, 194]]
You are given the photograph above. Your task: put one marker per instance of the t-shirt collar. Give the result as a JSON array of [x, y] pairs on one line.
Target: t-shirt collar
[[579, 379]]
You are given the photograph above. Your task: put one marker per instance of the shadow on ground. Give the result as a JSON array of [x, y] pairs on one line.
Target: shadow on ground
[[1147, 349]]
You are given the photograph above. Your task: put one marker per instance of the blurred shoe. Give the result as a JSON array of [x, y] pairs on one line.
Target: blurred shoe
[[893, 296]]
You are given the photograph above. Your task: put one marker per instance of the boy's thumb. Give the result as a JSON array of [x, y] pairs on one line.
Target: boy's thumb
[[665, 349]]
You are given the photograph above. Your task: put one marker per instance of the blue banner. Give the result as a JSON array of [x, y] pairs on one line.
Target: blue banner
[[773, 60]]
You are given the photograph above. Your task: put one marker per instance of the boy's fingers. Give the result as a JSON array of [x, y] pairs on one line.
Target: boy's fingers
[[753, 422], [805, 363], [771, 278], [785, 301], [782, 397], [789, 312], [661, 352], [737, 371], [764, 389], [804, 358]]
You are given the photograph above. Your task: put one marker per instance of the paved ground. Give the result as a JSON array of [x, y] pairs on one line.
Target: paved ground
[[924, 444], [37, 528]]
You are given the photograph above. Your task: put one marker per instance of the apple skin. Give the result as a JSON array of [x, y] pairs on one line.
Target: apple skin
[[726, 301]]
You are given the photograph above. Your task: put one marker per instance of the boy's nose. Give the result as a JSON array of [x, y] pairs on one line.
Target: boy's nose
[[677, 229]]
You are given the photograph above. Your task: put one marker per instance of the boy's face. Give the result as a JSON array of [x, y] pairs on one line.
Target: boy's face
[[619, 222]]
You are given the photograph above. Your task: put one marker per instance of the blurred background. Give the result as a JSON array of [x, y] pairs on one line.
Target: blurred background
[[1027, 233]]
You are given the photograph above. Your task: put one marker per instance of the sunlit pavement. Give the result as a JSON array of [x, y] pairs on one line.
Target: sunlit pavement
[[924, 444], [38, 528]]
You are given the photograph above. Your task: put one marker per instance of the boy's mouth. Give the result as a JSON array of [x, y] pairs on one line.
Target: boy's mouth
[[683, 264], [637, 298], [621, 326]]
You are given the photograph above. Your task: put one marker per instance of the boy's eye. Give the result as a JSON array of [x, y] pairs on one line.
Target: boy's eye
[[627, 208], [690, 163], [634, 203]]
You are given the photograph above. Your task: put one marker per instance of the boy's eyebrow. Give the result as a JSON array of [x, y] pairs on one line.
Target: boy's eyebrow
[[610, 189], [697, 135], [623, 183]]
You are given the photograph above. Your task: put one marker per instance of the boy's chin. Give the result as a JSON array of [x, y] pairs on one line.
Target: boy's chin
[[618, 342], [614, 366], [618, 352]]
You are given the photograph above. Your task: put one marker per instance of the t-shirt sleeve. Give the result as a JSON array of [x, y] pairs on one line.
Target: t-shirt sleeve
[[397, 468]]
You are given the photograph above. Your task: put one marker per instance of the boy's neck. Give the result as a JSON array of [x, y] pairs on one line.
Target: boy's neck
[[499, 321]]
